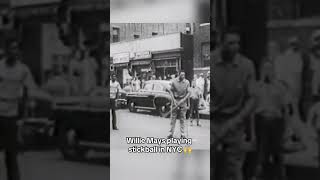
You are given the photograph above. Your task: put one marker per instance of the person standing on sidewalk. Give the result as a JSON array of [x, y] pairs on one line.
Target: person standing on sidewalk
[[179, 92], [271, 113], [15, 76], [195, 95], [114, 91]]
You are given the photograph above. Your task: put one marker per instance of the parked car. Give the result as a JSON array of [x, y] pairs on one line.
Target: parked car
[[81, 124], [121, 102], [153, 96]]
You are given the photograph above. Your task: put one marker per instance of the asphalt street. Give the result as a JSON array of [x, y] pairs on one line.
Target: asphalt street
[[156, 166], [49, 165]]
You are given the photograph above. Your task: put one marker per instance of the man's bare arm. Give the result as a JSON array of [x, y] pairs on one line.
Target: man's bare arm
[[33, 90], [248, 108]]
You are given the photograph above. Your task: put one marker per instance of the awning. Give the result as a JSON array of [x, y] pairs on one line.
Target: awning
[[120, 65]]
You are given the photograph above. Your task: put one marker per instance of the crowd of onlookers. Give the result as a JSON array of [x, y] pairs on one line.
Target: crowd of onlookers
[[77, 78], [299, 69], [201, 82]]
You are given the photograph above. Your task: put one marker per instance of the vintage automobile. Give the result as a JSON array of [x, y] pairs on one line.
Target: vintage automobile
[[121, 102], [81, 124], [154, 96]]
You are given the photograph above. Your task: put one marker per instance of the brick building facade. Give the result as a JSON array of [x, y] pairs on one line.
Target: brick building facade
[[201, 45], [130, 31], [201, 32]]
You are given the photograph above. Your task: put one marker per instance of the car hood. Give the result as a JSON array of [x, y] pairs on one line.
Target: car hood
[[160, 93]]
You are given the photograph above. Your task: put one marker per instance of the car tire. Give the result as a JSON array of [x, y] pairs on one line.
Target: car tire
[[163, 111], [69, 145], [132, 107]]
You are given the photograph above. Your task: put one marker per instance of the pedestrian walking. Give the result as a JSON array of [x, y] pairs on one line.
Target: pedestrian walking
[[233, 83], [114, 91], [195, 95], [180, 93]]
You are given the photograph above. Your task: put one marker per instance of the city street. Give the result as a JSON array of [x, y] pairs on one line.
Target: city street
[[156, 166], [49, 165]]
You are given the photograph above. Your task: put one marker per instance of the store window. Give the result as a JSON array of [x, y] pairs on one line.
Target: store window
[[188, 28], [115, 34], [205, 54]]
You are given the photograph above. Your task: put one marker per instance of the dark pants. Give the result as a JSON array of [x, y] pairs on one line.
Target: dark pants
[[269, 132], [194, 111], [8, 132], [180, 112], [113, 111], [229, 160]]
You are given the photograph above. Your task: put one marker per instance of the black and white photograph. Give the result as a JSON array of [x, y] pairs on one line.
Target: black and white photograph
[[265, 123], [160, 101], [53, 97]]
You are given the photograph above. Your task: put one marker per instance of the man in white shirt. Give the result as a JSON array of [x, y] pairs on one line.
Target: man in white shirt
[[14, 76], [114, 90], [136, 84], [200, 84], [289, 67]]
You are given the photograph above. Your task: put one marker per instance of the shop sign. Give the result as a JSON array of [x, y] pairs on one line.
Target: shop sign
[[121, 65], [135, 63], [121, 58], [142, 55], [145, 70]]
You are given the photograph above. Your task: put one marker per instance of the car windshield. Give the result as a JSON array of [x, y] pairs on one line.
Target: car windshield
[[158, 87], [148, 87]]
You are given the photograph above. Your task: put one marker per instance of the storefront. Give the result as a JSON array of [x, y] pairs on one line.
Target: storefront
[[141, 64], [38, 24], [120, 64], [160, 56], [167, 63]]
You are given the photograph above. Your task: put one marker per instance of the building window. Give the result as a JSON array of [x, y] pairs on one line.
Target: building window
[[205, 54], [308, 8], [292, 9], [115, 34], [136, 36], [281, 9], [188, 28]]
